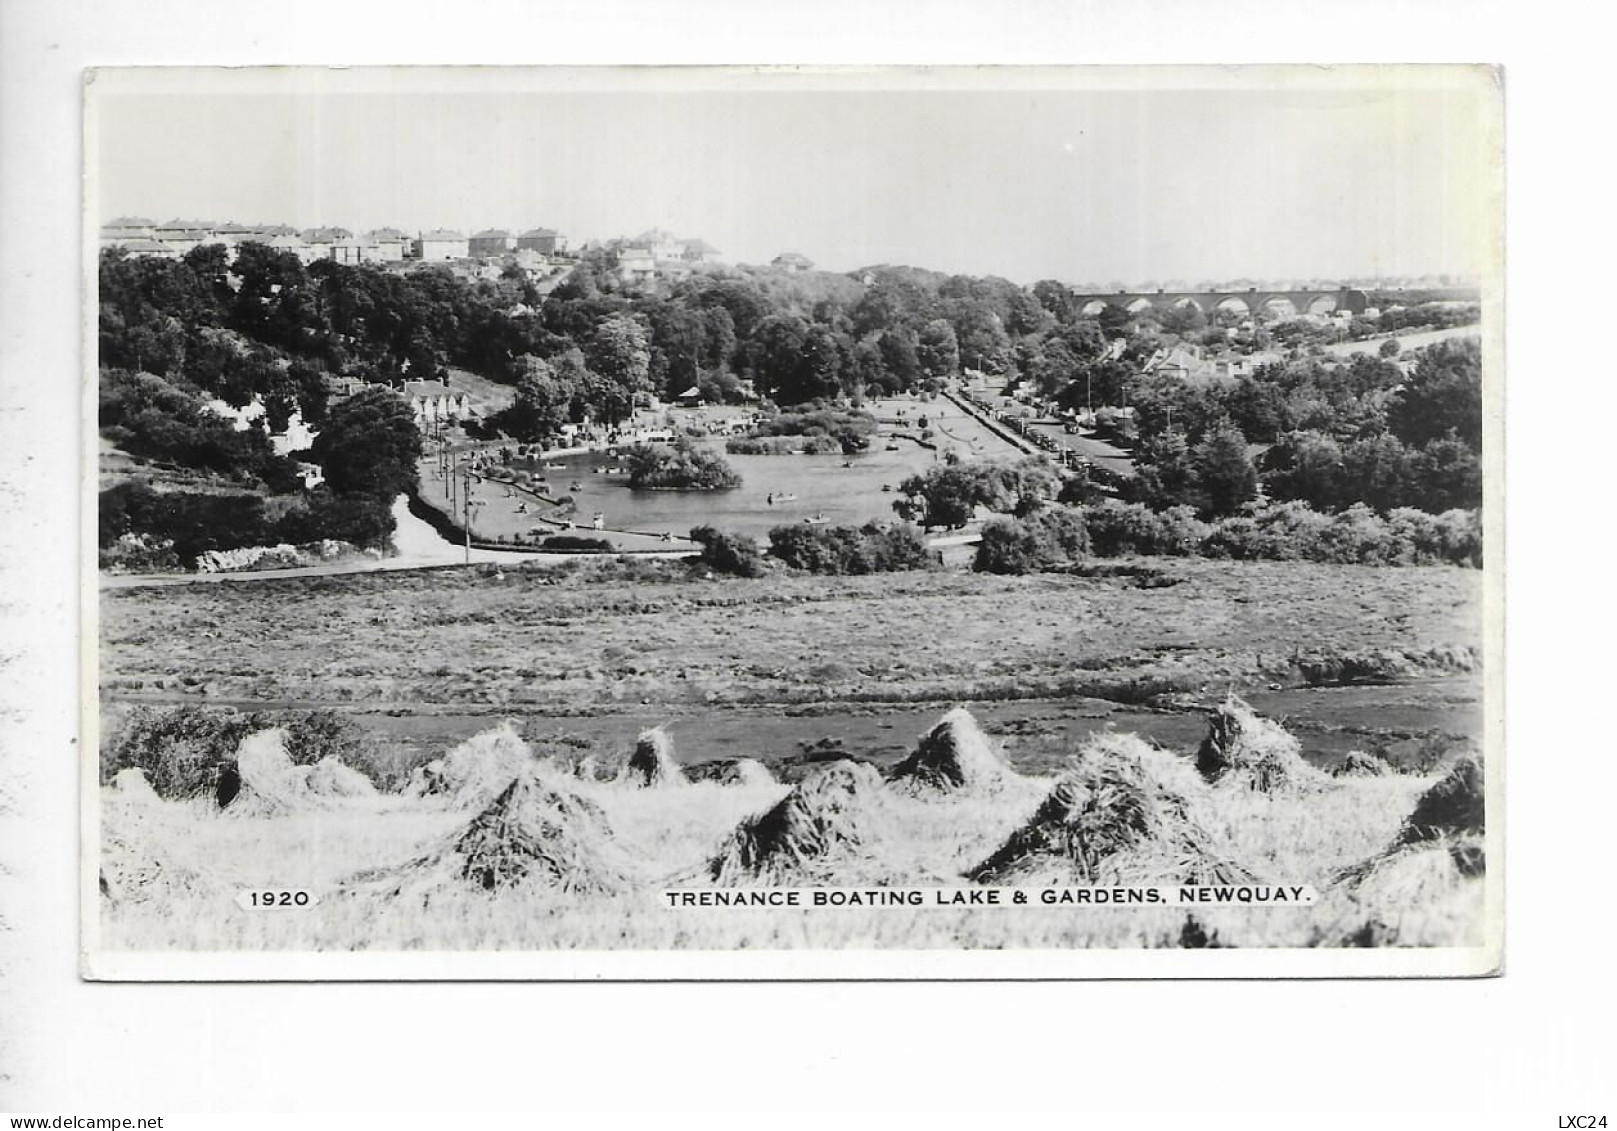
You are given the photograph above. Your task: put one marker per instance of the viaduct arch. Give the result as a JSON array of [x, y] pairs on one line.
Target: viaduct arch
[[1253, 300]]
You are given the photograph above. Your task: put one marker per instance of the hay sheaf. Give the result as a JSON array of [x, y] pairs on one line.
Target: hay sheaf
[[1439, 848], [1358, 764], [1118, 815], [130, 784], [730, 771], [265, 781], [823, 829], [538, 833], [329, 777], [955, 755], [475, 772], [1242, 748], [652, 764], [1454, 806]]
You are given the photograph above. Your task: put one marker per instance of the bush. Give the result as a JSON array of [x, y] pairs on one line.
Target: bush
[[1116, 529], [364, 520], [1009, 545], [734, 554], [871, 548], [138, 553], [782, 445], [149, 417], [192, 522], [1293, 531], [182, 749], [826, 429], [680, 466], [1045, 540], [573, 543]]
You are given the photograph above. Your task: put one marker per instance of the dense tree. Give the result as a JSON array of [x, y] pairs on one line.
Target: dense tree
[[370, 445], [1442, 396], [1225, 477], [1306, 466], [948, 495], [543, 402], [937, 350], [1058, 299], [620, 366]]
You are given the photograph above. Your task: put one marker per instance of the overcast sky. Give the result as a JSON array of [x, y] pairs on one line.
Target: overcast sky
[[1120, 184]]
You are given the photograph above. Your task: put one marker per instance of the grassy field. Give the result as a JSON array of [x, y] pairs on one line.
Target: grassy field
[[795, 672]]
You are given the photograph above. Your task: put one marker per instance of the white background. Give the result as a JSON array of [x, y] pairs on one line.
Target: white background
[[1536, 1041]]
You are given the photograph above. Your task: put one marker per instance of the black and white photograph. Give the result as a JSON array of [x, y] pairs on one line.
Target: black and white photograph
[[747, 522]]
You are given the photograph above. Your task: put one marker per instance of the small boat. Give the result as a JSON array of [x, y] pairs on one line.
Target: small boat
[[787, 498], [552, 466], [817, 519], [892, 447], [576, 486]]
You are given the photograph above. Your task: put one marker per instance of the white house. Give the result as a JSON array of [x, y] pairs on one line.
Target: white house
[[388, 245], [353, 250], [440, 245], [636, 265]]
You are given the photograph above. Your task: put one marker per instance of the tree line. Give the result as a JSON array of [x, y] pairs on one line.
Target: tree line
[[264, 326]]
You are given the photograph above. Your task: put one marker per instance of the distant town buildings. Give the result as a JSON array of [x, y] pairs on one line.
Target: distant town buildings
[[655, 254], [138, 235]]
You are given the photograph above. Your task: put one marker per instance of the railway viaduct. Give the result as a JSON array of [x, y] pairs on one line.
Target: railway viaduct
[[1253, 300]]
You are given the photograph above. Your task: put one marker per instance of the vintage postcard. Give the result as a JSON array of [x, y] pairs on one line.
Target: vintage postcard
[[792, 523]]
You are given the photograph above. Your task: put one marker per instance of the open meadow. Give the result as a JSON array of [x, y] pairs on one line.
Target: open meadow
[[529, 758]]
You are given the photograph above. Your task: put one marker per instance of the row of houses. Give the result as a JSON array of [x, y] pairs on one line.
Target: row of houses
[[659, 254], [641, 259], [139, 236], [654, 254], [1189, 364]]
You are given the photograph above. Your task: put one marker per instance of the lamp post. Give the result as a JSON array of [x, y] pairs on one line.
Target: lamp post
[[466, 509]]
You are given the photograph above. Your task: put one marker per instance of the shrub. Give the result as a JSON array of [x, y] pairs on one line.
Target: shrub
[[573, 543], [364, 520], [827, 429], [1009, 545], [183, 749], [734, 554], [1116, 529], [1357, 536], [1043, 540], [193, 522], [679, 466], [782, 445], [871, 548]]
